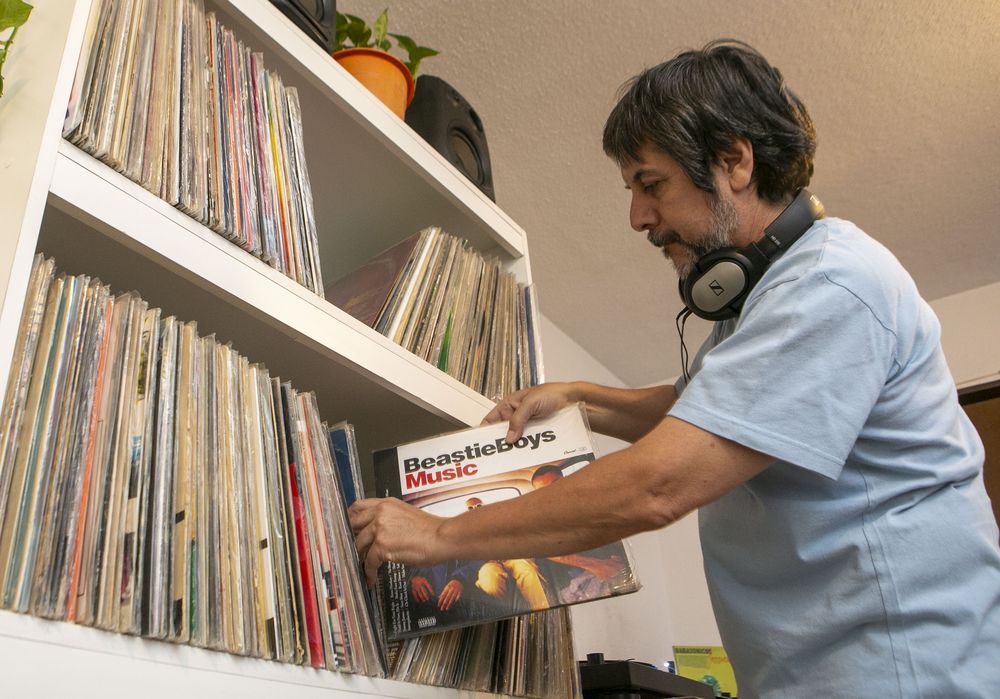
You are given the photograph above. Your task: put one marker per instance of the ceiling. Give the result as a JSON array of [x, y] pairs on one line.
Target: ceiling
[[905, 96]]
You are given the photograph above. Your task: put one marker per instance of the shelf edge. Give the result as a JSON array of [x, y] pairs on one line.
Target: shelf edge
[[125, 211]]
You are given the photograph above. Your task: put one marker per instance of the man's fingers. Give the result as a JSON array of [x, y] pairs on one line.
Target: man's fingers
[[363, 541], [495, 415], [361, 513], [387, 529], [372, 563], [491, 417], [506, 407], [370, 551], [500, 412], [518, 420]]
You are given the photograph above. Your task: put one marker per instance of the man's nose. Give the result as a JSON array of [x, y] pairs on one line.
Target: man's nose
[[641, 216]]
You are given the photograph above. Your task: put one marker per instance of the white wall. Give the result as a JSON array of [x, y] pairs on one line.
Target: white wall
[[970, 333], [673, 607]]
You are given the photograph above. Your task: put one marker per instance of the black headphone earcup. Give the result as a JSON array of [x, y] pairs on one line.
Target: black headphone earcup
[[721, 280], [716, 288]]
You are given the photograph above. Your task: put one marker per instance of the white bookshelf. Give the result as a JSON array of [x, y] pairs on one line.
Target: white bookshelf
[[52, 659], [374, 182]]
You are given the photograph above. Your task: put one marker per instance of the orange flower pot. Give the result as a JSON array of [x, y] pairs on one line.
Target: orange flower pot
[[383, 74]]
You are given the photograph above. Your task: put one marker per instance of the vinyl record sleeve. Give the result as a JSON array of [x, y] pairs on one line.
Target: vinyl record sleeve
[[425, 331], [345, 472], [76, 538], [345, 455], [110, 584], [186, 493], [275, 518], [304, 547], [265, 596], [101, 483], [40, 456], [326, 595], [201, 496], [141, 89], [20, 377], [487, 301], [157, 556], [51, 576], [452, 473], [418, 287]]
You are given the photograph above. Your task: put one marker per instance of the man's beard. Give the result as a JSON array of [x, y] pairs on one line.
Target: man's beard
[[724, 223]]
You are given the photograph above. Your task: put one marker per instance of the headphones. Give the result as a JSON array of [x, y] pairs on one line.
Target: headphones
[[721, 280]]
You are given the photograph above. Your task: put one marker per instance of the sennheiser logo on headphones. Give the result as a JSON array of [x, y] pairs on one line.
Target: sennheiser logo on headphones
[[715, 286]]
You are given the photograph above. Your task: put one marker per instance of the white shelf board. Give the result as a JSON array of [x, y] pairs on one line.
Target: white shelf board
[[371, 173], [43, 658], [105, 225]]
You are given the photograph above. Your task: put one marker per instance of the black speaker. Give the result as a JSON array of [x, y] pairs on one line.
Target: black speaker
[[317, 18], [450, 124]]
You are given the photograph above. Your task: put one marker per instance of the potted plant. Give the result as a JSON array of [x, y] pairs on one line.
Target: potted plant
[[364, 52]]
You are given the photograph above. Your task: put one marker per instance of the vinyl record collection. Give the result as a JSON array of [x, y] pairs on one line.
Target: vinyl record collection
[[441, 299], [530, 655], [170, 98], [155, 482]]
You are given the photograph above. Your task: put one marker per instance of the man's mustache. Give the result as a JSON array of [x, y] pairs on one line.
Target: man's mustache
[[662, 239]]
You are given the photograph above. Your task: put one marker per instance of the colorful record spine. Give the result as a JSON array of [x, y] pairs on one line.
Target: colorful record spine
[[174, 101]]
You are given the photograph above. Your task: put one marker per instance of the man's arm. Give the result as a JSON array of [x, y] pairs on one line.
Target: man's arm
[[671, 471], [624, 413]]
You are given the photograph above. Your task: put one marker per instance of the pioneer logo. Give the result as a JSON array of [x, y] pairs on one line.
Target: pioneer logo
[[715, 286]]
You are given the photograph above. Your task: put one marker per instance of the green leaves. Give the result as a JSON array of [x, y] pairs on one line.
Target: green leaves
[[13, 13], [381, 25], [353, 29], [354, 32], [415, 52]]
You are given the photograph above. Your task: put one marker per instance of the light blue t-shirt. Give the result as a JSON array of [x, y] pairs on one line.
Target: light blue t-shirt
[[864, 561]]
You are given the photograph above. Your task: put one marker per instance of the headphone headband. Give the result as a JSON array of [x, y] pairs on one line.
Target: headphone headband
[[721, 280], [791, 223]]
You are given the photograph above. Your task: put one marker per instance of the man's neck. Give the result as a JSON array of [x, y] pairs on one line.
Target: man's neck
[[755, 215]]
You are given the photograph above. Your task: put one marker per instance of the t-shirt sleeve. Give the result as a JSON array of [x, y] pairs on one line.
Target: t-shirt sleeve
[[797, 378]]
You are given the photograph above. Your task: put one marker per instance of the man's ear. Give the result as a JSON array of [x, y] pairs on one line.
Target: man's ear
[[736, 164]]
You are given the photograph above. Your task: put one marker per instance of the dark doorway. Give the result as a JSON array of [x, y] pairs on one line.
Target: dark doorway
[[982, 405]]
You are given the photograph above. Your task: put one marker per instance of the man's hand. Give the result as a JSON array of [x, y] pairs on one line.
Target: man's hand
[[528, 404], [451, 594], [387, 529], [421, 588]]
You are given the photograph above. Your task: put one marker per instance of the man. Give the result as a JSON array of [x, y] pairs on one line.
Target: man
[[849, 545]]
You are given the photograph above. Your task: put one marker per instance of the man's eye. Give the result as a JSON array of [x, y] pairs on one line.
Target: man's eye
[[650, 186]]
